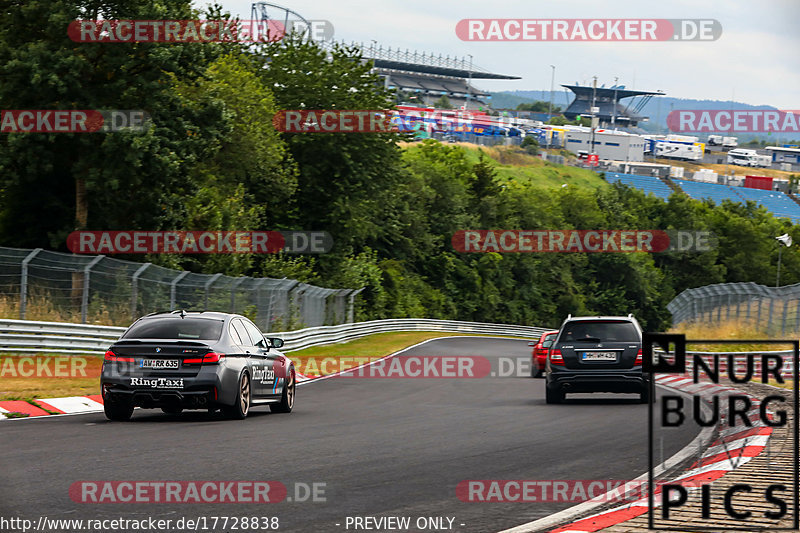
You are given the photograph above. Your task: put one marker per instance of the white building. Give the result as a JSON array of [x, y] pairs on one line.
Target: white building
[[615, 145]]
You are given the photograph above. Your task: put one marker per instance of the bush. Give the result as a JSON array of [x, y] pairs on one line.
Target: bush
[[530, 144]]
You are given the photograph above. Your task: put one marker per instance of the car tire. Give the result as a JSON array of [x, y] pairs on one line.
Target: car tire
[[536, 372], [287, 397], [239, 410], [172, 410], [644, 395], [552, 396], [118, 411]]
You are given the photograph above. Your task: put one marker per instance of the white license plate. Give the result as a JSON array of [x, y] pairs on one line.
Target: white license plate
[[159, 363], [599, 356]]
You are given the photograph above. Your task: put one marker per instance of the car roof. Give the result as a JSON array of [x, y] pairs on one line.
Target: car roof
[[598, 318], [215, 315]]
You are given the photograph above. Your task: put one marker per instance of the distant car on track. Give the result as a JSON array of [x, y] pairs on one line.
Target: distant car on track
[[190, 360], [539, 352], [596, 354]]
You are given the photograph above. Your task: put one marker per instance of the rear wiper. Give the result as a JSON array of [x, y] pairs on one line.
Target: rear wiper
[[589, 339]]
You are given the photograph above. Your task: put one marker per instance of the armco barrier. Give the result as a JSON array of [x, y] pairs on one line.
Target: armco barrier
[[29, 336]]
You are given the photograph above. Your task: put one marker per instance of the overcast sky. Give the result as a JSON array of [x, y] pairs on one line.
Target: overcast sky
[[755, 61]]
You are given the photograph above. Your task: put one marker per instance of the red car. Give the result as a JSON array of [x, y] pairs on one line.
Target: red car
[[540, 349]]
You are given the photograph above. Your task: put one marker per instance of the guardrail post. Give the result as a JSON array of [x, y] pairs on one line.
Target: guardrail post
[[85, 296], [173, 288], [769, 317], [135, 288], [23, 283], [351, 305], [207, 286], [783, 321], [233, 292], [290, 284]]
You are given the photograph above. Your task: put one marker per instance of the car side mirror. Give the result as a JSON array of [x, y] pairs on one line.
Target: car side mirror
[[531, 344], [275, 342]]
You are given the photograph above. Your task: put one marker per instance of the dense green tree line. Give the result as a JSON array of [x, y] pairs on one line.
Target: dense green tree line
[[212, 160]]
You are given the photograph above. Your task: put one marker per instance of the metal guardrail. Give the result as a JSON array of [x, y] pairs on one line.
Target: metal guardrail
[[18, 336]]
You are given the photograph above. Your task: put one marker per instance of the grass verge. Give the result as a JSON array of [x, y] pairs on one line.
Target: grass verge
[[730, 330]]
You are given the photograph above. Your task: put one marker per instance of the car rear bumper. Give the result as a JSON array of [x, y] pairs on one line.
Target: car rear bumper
[[593, 381], [200, 391], [152, 398]]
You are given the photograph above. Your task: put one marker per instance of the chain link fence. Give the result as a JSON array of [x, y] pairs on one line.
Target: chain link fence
[[44, 285], [773, 309]]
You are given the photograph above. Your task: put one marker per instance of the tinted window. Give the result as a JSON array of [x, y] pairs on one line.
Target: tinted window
[[203, 329], [602, 330], [245, 338], [255, 335]]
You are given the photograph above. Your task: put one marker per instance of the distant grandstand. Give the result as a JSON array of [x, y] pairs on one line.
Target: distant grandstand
[[608, 99], [424, 78]]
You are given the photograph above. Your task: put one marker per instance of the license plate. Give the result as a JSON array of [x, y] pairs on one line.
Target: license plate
[[159, 363], [599, 356]]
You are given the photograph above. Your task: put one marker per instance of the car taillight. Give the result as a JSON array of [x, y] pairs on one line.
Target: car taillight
[[638, 358], [112, 357], [555, 357], [207, 359]]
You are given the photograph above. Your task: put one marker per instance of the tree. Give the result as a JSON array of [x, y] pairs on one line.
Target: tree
[[247, 180], [443, 103], [347, 182], [42, 68], [538, 107], [558, 121]]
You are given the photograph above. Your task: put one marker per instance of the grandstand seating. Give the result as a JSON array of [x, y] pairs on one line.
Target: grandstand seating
[[648, 184], [699, 190], [776, 202]]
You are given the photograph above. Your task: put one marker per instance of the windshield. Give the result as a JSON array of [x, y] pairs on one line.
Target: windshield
[[203, 329], [597, 331]]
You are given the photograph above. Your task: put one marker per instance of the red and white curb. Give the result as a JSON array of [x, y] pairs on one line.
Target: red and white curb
[[69, 405], [60, 406], [733, 448]]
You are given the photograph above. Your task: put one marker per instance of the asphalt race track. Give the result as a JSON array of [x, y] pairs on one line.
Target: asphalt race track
[[388, 447]]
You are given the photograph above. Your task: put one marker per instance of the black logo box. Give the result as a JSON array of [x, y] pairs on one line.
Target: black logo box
[[677, 365]]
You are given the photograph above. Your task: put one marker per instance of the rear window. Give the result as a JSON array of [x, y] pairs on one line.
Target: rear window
[[203, 329], [597, 331]]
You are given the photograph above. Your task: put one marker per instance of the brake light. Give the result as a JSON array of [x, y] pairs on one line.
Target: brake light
[[207, 359], [638, 358], [114, 358], [555, 357]]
